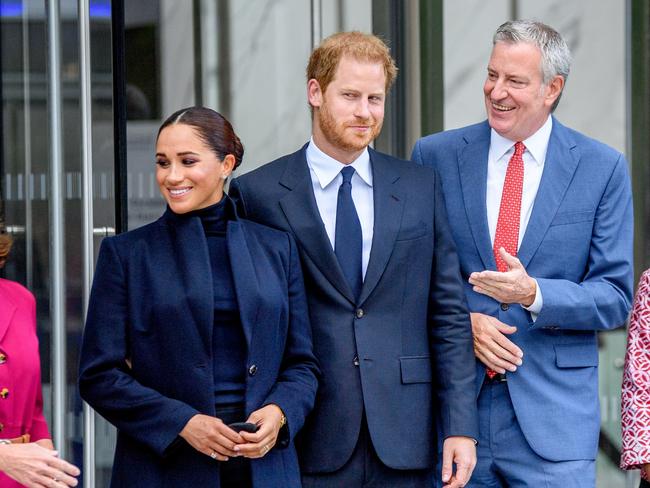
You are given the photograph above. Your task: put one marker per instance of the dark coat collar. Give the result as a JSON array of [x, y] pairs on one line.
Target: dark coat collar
[[190, 253], [169, 216]]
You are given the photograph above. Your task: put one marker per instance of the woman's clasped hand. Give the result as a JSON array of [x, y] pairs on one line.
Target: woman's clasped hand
[[213, 438]]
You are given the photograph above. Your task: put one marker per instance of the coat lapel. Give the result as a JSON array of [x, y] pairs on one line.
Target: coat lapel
[[388, 207], [472, 167], [190, 253], [300, 209], [7, 310], [244, 277], [562, 159]]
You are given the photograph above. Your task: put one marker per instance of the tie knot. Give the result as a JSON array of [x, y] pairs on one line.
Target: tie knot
[[519, 148], [347, 174]]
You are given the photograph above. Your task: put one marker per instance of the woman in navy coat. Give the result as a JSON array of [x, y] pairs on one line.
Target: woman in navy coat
[[197, 321]]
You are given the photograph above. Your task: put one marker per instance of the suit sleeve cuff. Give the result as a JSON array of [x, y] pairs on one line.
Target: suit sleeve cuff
[[474, 440], [536, 307]]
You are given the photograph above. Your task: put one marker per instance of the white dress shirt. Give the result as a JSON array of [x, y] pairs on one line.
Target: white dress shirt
[[326, 179], [501, 150]]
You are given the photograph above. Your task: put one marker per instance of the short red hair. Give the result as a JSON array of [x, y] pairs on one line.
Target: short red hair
[[324, 60]]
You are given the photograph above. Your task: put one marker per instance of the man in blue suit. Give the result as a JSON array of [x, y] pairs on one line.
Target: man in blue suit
[[390, 324], [542, 218]]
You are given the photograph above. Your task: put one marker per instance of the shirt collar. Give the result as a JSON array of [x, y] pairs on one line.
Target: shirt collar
[[536, 145], [326, 168]]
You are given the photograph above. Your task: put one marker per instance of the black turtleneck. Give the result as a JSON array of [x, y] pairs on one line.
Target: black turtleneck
[[228, 340]]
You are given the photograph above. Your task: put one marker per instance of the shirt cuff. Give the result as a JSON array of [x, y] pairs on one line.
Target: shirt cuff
[[536, 307]]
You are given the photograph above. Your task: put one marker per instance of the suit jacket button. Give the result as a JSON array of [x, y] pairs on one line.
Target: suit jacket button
[[252, 371], [355, 361], [359, 313], [4, 393], [505, 307], [1, 426], [3, 358]]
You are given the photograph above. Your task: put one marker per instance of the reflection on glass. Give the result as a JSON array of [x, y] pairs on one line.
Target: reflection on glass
[[26, 178]]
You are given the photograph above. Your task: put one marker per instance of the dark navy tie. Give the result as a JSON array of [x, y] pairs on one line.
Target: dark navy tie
[[348, 241]]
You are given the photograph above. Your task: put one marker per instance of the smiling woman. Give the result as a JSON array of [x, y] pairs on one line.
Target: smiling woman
[[217, 297], [196, 151]]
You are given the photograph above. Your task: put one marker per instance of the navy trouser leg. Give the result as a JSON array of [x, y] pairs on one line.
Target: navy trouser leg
[[364, 469]]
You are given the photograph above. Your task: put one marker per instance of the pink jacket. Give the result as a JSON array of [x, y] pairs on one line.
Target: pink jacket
[[635, 397], [21, 398]]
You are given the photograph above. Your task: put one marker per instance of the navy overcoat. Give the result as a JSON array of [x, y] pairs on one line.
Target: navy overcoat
[[146, 360]]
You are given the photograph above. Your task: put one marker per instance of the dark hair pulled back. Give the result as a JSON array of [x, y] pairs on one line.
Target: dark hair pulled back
[[212, 128]]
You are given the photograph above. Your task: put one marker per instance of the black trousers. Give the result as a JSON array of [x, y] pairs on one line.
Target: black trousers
[[236, 472]]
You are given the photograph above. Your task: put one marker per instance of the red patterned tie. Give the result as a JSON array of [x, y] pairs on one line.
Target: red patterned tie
[[507, 233]]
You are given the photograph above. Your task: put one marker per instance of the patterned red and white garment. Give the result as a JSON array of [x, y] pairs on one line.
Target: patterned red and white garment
[[635, 397]]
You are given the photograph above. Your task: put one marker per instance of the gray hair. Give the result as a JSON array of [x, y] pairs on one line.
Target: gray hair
[[556, 56]]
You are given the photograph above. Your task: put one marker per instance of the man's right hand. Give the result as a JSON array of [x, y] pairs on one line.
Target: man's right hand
[[492, 347]]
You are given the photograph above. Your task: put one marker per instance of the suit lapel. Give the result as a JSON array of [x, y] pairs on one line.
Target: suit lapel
[[300, 209], [472, 167], [562, 159], [7, 310], [244, 277], [388, 207], [190, 253]]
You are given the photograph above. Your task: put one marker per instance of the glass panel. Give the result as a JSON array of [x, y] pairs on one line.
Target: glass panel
[[102, 140], [145, 85], [25, 157], [265, 73], [26, 173], [345, 15], [103, 161], [467, 45], [247, 45]]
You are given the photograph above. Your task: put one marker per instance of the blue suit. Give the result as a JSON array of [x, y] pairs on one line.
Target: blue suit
[[409, 327], [578, 246], [152, 304]]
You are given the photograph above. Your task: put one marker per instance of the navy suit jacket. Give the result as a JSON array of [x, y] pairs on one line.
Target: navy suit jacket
[[152, 304], [410, 326], [577, 245]]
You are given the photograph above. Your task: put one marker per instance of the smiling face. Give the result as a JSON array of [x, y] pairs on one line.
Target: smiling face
[[349, 115], [190, 175], [517, 100]]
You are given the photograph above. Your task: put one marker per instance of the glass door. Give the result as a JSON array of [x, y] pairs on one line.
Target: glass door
[[41, 173]]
